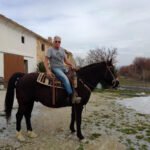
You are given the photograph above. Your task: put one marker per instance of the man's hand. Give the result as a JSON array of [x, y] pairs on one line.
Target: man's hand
[[72, 67], [50, 74]]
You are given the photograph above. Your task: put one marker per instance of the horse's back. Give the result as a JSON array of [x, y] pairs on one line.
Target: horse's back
[[28, 79], [30, 90], [26, 85]]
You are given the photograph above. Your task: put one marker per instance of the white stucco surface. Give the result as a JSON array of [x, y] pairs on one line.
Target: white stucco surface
[[11, 43]]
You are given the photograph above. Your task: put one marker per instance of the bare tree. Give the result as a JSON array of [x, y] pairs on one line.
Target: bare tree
[[101, 54], [142, 66], [139, 69], [80, 61]]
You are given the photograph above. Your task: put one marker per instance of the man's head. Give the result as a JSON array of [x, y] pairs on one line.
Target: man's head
[[57, 42]]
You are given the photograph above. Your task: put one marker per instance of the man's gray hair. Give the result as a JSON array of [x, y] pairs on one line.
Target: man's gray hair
[[57, 38]]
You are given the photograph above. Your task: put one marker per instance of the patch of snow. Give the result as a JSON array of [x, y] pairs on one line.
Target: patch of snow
[[140, 104], [141, 94]]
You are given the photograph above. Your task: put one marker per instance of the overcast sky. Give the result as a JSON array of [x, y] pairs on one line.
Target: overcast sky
[[88, 24]]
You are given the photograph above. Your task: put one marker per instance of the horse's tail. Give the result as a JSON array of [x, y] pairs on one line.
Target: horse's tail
[[9, 99]]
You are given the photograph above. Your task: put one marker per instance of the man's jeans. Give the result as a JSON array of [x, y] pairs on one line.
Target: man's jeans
[[60, 74]]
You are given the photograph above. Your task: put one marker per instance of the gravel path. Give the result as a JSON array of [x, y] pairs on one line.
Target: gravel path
[[106, 125]]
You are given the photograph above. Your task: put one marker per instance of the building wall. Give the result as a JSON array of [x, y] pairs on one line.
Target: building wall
[[11, 43], [40, 52], [1, 65], [32, 64]]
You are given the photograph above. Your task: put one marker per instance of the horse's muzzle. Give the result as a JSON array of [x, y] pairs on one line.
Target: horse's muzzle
[[115, 83]]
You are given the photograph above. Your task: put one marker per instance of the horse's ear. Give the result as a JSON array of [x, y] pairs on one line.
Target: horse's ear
[[109, 62]]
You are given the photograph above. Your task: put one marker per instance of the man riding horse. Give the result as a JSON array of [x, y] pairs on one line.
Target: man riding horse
[[56, 56], [28, 90]]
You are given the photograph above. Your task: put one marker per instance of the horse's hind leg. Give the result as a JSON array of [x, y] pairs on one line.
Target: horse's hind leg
[[27, 115], [72, 119], [19, 116]]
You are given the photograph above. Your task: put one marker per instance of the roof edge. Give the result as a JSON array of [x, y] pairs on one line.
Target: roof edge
[[21, 26]]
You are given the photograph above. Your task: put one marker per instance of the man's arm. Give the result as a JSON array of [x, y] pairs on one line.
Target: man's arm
[[46, 65], [67, 61]]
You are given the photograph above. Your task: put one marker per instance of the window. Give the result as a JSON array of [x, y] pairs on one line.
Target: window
[[25, 66], [43, 47], [22, 39]]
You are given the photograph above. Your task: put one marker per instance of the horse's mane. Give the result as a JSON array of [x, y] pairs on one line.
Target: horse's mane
[[89, 67]]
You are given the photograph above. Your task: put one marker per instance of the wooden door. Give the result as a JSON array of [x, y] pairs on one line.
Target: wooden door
[[12, 64]]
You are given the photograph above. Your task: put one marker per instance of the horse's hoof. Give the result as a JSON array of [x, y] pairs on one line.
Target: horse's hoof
[[73, 131], [84, 141], [20, 137], [81, 137], [31, 134]]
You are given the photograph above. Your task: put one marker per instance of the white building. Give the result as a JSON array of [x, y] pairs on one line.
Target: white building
[[19, 48]]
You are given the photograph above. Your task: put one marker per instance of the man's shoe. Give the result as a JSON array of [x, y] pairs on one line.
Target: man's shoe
[[76, 100]]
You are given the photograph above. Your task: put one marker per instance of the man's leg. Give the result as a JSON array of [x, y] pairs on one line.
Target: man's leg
[[64, 79]]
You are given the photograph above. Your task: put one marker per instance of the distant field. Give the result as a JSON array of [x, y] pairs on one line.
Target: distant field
[[131, 90], [131, 82], [122, 93]]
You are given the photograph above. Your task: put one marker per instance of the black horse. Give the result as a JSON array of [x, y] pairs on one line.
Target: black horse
[[28, 91]]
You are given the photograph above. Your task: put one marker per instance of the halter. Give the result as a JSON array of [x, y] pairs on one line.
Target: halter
[[111, 72], [114, 79], [86, 84]]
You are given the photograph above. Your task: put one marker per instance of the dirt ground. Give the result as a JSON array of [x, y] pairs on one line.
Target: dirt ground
[[103, 126]]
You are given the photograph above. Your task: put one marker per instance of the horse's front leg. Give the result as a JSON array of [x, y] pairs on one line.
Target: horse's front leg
[[72, 119], [78, 115]]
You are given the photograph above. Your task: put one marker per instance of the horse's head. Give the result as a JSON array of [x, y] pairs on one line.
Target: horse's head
[[103, 72], [110, 78]]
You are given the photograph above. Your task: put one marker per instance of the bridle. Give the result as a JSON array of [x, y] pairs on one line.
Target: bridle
[[114, 81], [85, 85], [88, 85], [108, 67]]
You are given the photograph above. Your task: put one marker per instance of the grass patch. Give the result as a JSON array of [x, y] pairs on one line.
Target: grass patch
[[147, 139], [139, 137], [132, 148], [87, 120], [6, 147], [97, 124], [80, 147], [143, 147], [129, 141], [94, 136], [139, 127], [105, 116], [112, 125], [141, 114], [148, 132], [133, 82], [119, 93], [128, 131], [95, 113]]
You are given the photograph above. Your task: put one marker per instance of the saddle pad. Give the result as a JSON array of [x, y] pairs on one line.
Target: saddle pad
[[43, 79]]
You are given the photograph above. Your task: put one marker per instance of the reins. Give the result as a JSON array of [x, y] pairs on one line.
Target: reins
[[110, 72], [85, 85]]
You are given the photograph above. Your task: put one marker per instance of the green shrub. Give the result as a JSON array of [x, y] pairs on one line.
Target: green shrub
[[41, 67]]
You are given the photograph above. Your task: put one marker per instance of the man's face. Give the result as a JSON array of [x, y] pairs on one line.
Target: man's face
[[57, 43]]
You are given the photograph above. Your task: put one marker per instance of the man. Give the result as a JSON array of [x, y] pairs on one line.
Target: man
[[57, 56]]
